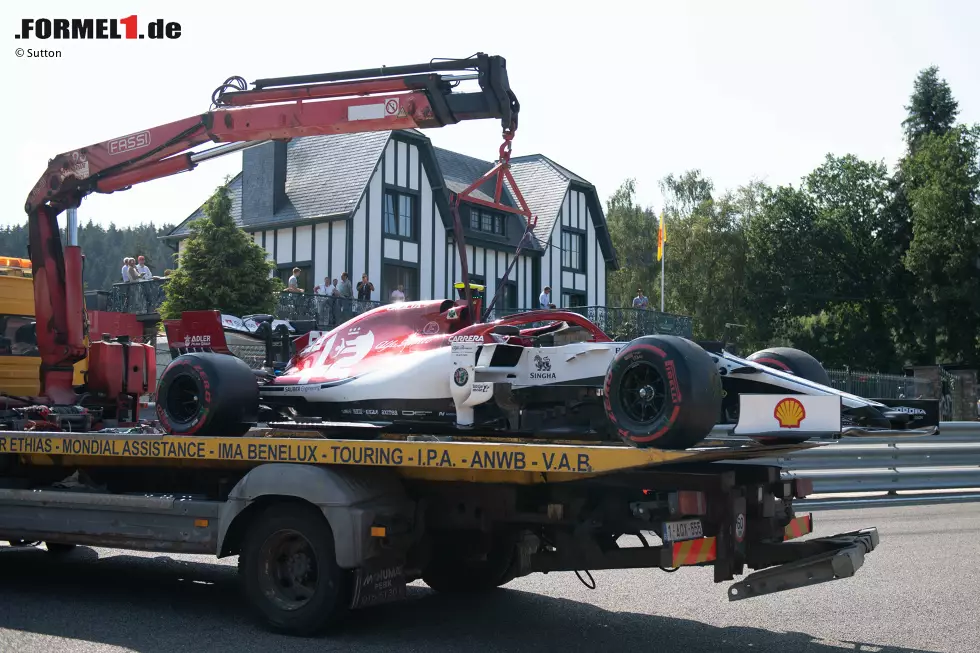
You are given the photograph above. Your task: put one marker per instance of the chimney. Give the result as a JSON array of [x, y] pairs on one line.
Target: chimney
[[263, 181]]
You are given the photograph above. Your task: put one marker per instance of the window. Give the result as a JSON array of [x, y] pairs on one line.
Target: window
[[393, 276], [487, 221], [572, 251], [508, 295], [18, 336], [572, 299], [399, 215]]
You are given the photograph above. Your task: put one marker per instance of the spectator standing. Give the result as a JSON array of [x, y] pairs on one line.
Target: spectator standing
[[544, 299], [293, 284], [131, 271], [398, 294], [143, 270], [344, 303], [364, 290], [327, 306], [124, 271], [641, 300]]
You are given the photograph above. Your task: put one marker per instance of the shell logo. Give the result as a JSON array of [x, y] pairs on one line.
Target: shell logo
[[789, 413]]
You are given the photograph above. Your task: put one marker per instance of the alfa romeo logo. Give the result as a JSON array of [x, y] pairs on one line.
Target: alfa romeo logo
[[460, 376]]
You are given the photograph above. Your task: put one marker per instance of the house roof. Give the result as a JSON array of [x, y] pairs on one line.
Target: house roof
[[460, 170], [324, 176], [328, 175]]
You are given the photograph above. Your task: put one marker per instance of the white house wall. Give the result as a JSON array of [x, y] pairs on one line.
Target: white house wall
[[576, 215], [490, 265]]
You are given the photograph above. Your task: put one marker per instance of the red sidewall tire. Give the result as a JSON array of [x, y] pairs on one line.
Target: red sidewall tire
[[207, 394], [689, 390]]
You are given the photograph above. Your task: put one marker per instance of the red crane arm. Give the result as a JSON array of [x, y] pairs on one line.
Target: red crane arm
[[402, 97]]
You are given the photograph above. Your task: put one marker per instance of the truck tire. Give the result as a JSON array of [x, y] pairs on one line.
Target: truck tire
[[289, 573], [452, 570], [208, 394], [662, 391], [794, 361]]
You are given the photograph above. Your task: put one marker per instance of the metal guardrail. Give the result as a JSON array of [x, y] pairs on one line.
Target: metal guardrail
[[942, 468]]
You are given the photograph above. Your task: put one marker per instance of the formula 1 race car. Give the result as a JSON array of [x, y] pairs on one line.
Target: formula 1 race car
[[430, 367]]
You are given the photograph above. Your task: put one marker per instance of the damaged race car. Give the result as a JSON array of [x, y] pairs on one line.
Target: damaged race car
[[432, 367]]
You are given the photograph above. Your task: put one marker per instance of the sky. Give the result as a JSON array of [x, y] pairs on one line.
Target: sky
[[739, 90]]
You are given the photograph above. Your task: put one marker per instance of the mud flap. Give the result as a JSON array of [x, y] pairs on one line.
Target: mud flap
[[845, 557], [378, 581]]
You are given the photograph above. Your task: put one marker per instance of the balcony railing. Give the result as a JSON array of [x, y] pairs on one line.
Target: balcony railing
[[623, 324], [139, 297]]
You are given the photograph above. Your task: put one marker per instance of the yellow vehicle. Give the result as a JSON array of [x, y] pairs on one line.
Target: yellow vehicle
[[19, 361]]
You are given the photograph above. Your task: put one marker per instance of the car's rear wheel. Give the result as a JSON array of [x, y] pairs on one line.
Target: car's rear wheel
[[208, 394], [794, 361], [662, 391]]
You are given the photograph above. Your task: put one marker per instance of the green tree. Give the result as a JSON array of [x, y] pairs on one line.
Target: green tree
[[705, 255], [633, 231], [944, 254], [931, 110], [220, 267]]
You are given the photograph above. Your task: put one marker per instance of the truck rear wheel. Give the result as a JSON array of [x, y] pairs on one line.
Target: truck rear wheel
[[662, 391], [208, 394], [289, 571], [461, 567]]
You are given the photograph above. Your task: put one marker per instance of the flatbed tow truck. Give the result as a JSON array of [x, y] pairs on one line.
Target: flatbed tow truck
[[327, 517], [322, 525]]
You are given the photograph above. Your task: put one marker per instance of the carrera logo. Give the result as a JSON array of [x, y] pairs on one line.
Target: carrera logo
[[466, 339], [789, 413], [129, 143]]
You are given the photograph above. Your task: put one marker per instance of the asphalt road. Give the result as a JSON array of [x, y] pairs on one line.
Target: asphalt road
[[919, 591]]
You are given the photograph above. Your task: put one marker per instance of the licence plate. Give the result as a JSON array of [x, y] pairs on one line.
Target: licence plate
[[676, 531]]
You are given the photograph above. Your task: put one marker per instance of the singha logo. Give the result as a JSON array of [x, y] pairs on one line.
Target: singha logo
[[543, 364]]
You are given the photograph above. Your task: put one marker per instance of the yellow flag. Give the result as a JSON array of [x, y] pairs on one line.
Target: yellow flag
[[661, 238]]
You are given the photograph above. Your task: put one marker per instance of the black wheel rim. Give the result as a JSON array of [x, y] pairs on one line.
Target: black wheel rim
[[289, 574], [642, 392], [183, 400]]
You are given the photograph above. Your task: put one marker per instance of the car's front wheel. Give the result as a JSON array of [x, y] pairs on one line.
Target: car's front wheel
[[662, 391]]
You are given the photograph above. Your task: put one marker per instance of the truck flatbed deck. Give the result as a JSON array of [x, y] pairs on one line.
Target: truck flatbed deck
[[446, 459]]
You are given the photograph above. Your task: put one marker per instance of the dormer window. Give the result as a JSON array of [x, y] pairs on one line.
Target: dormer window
[[489, 222]]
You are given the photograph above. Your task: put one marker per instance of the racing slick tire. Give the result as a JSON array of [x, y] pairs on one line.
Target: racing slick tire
[[662, 391], [288, 570], [208, 394], [796, 362]]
